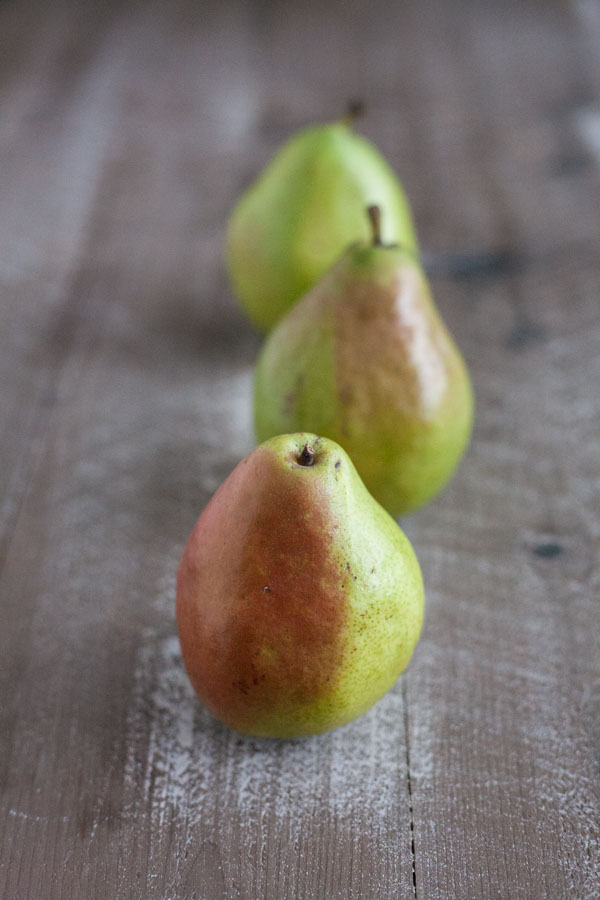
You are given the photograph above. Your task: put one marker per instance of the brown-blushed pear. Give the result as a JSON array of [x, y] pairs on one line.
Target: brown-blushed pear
[[365, 359]]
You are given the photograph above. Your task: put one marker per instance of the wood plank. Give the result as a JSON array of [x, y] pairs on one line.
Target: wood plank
[[57, 84], [502, 696], [115, 782]]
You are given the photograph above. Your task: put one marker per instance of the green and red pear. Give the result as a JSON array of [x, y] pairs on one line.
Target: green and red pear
[[299, 599]]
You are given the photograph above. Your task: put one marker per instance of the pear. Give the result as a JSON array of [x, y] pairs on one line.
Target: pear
[[303, 211], [365, 359], [299, 599]]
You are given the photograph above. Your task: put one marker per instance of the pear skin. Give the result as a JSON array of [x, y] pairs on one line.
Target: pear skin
[[303, 211], [299, 599], [365, 359]]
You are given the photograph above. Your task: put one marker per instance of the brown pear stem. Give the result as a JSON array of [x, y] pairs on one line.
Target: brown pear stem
[[355, 110], [374, 213], [307, 457]]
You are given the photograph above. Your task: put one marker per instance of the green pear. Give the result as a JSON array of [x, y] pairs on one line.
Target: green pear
[[365, 359], [299, 599], [303, 211]]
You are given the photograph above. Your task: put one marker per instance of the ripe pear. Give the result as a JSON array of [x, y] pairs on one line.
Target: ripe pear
[[365, 359], [299, 599], [303, 211]]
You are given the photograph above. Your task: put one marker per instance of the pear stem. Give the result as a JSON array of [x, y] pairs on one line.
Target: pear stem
[[307, 457], [354, 111], [374, 213]]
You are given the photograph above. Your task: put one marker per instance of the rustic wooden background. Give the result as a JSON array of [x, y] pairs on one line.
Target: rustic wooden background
[[127, 130]]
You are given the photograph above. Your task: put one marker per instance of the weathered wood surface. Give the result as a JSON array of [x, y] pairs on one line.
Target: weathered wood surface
[[126, 132]]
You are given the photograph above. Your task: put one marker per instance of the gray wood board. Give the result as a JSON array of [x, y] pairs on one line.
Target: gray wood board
[[126, 133]]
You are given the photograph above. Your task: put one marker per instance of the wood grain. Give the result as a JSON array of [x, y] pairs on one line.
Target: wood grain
[[504, 766], [126, 134]]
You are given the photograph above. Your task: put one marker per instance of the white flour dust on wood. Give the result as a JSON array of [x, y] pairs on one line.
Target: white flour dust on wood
[[181, 761]]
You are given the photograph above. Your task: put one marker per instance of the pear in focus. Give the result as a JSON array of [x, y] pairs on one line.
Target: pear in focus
[[365, 359], [303, 211], [299, 599]]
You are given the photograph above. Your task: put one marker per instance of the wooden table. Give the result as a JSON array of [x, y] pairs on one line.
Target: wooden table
[[127, 130]]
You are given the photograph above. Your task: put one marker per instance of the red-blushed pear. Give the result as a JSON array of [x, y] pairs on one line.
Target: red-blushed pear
[[366, 360], [302, 212], [299, 599]]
